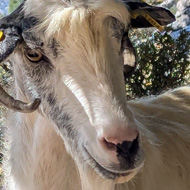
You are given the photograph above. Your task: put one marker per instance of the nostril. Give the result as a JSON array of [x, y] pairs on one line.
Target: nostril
[[109, 145], [134, 147], [125, 146], [128, 147], [126, 143]]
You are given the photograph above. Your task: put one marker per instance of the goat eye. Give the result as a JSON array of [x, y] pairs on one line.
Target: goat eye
[[34, 55], [116, 25]]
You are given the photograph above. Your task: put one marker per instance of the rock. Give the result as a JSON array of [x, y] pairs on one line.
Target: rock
[[169, 4], [182, 14], [181, 9], [3, 7]]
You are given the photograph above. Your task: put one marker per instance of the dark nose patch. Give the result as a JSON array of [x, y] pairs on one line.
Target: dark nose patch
[[128, 149]]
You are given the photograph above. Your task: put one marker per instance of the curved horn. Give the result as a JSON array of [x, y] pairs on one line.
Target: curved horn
[[10, 37], [18, 105]]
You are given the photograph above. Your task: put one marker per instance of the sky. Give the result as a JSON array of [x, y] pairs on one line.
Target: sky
[[3, 6]]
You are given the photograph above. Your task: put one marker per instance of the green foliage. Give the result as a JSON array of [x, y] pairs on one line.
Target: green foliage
[[5, 74], [13, 4], [163, 63]]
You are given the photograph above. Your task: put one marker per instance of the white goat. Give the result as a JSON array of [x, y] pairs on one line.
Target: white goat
[[68, 56]]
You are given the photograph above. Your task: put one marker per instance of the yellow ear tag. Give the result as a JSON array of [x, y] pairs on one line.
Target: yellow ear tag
[[152, 21], [1, 36]]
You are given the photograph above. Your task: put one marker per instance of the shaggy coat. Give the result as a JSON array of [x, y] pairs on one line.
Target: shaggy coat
[[164, 124], [69, 56]]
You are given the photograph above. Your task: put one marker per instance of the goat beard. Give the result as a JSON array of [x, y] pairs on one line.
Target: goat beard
[[124, 179]]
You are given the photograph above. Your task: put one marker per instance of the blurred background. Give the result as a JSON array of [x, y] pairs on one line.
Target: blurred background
[[163, 58]]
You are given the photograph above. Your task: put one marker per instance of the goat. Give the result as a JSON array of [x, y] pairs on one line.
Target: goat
[[80, 132]]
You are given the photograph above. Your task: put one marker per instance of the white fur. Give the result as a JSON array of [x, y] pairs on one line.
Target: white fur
[[89, 69], [87, 82], [164, 122]]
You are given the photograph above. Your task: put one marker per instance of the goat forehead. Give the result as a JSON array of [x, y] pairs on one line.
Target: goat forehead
[[55, 15], [57, 21]]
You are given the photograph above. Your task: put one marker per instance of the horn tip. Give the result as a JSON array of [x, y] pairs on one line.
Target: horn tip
[[35, 104]]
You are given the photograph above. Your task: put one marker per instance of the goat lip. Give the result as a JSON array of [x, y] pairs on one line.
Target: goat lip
[[105, 173]]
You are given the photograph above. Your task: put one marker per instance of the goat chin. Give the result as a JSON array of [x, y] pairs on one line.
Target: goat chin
[[125, 179]]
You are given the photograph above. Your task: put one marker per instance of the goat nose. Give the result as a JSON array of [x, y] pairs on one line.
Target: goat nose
[[125, 144], [124, 148], [128, 147]]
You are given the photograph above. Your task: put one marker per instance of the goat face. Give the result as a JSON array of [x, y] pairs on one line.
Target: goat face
[[73, 63]]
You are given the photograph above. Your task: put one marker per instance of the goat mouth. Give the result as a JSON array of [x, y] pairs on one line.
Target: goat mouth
[[107, 174]]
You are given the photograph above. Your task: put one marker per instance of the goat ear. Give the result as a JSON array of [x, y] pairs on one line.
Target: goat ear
[[144, 15], [10, 32], [9, 39]]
